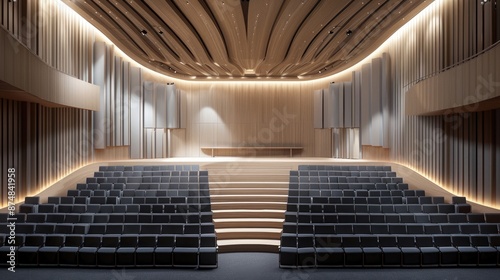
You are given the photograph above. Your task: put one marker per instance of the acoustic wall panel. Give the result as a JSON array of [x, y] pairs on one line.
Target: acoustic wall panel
[[356, 98], [136, 117], [149, 142], [118, 108], [340, 106], [337, 105], [183, 106], [328, 107], [376, 102], [385, 99], [173, 104], [109, 92], [161, 105], [365, 94], [318, 108], [348, 105], [149, 105], [126, 103], [160, 143], [99, 75]]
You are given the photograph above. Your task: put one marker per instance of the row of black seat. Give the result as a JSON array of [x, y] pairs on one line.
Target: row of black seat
[[421, 218], [184, 250], [192, 217], [378, 208], [343, 168], [140, 193], [111, 208], [111, 199], [143, 186], [112, 228], [320, 200], [390, 228], [389, 250], [359, 193], [183, 167], [348, 186], [338, 173], [325, 180]]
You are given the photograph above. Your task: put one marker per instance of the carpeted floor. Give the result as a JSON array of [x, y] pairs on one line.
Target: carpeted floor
[[243, 266]]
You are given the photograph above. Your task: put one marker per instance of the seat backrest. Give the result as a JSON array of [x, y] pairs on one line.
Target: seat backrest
[[479, 240], [191, 241], [369, 241], [460, 240], [387, 241], [146, 241], [92, 241], [128, 240], [442, 240], [351, 241], [54, 240], [112, 241], [34, 240], [406, 241], [165, 241], [73, 240], [424, 241]]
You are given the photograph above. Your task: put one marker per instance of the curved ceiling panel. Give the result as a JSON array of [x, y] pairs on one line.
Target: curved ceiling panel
[[227, 39]]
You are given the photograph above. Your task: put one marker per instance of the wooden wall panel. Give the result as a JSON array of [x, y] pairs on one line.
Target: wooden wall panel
[[466, 87], [247, 114], [136, 113], [376, 121], [456, 148], [365, 96], [42, 144], [318, 108]]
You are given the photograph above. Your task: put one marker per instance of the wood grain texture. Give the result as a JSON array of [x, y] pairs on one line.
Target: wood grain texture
[[42, 144]]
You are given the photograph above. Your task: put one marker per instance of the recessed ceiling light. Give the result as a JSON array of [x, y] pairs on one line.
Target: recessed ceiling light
[[144, 32]]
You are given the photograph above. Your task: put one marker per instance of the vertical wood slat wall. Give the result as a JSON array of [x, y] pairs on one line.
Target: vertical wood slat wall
[[247, 114], [458, 151], [42, 144], [45, 144]]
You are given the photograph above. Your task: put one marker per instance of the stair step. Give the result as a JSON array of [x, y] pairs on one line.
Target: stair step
[[248, 223], [249, 171], [248, 205], [239, 191], [248, 213], [245, 198], [248, 178], [248, 245], [248, 185], [248, 233]]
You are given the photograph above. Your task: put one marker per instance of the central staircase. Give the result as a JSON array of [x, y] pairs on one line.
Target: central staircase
[[248, 205]]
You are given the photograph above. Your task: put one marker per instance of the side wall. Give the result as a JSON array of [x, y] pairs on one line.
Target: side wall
[[459, 151]]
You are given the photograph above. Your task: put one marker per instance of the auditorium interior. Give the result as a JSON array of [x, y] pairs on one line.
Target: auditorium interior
[[249, 139]]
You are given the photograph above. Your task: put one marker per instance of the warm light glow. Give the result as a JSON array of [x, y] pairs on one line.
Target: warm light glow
[[446, 188], [45, 187]]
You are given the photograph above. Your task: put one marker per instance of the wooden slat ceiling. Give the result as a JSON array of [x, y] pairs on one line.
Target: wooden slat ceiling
[[251, 39]]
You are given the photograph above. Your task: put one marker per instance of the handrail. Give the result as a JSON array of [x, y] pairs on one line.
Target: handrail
[[452, 66]]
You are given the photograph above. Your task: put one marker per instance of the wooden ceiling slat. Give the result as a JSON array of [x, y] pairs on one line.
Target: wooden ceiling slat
[[285, 27], [208, 32], [258, 38], [314, 25]]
